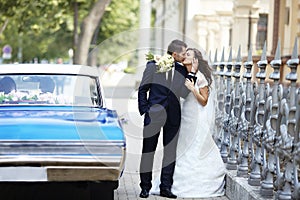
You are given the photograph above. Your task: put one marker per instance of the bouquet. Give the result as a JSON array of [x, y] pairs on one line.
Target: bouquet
[[164, 63]]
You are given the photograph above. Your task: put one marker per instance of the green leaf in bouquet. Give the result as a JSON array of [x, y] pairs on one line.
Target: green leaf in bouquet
[[149, 56]]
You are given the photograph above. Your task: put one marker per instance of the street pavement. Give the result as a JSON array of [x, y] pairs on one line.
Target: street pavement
[[123, 99]]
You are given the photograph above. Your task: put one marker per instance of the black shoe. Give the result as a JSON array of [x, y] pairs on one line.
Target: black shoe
[[144, 193], [167, 193]]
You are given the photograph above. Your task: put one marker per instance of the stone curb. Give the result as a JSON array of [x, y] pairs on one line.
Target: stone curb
[[237, 188]]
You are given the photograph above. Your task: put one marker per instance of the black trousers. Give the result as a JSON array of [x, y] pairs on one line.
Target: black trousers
[[151, 134]]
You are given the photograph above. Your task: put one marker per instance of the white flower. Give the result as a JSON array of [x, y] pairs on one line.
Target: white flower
[[48, 97], [164, 63], [34, 96]]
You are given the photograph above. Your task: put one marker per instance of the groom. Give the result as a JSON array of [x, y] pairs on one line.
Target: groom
[[162, 110]]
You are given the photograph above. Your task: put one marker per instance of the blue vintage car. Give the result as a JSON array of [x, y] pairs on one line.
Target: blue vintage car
[[56, 132]]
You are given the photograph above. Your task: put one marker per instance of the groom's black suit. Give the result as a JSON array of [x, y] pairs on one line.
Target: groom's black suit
[[162, 109]]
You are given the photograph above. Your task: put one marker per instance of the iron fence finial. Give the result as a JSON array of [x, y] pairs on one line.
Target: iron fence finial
[[222, 58], [250, 55], [238, 57], [230, 55], [216, 56], [277, 53], [264, 53], [295, 49]]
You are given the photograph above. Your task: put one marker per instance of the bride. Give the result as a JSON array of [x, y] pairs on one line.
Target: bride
[[199, 170]]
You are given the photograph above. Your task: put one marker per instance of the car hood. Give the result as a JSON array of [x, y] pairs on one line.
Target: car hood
[[59, 123]]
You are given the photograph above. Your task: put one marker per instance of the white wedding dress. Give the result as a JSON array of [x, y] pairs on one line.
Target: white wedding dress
[[199, 170]]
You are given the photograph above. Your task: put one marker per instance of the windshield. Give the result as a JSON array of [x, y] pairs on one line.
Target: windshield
[[49, 89]]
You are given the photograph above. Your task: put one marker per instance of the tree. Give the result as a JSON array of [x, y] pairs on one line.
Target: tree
[[34, 26], [118, 35], [48, 28], [88, 27], [48, 22]]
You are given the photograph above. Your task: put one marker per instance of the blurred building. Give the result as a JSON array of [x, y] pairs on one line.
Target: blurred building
[[216, 24]]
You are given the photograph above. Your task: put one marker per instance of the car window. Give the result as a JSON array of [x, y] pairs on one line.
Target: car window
[[50, 89]]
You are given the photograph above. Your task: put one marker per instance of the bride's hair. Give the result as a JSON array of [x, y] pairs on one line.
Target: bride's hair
[[203, 66]]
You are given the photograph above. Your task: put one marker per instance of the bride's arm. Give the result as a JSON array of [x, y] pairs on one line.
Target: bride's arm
[[201, 94]]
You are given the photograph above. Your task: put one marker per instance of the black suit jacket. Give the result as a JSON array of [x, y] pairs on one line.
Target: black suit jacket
[[157, 99]]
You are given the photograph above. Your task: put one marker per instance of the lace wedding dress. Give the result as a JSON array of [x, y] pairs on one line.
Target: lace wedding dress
[[199, 170]]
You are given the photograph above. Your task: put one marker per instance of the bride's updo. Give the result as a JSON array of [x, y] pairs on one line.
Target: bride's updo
[[203, 66]]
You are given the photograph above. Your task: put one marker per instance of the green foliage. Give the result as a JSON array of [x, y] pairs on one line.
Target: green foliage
[[117, 33], [130, 70], [44, 28], [121, 15], [34, 26]]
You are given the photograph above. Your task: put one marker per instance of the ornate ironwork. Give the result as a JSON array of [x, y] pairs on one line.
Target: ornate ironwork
[[231, 119], [219, 109], [246, 118], [285, 139], [260, 123], [272, 129], [296, 151], [260, 101], [222, 103]]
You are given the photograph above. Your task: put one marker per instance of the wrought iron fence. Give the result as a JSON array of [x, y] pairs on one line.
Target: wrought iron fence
[[257, 124]]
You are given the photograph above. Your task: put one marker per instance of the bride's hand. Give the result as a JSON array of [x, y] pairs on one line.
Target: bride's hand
[[189, 84]]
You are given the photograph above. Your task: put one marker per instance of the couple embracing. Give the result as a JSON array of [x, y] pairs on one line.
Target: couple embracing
[[192, 166]]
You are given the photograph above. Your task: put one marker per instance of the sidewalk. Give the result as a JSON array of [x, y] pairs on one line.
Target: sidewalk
[[237, 188], [129, 189]]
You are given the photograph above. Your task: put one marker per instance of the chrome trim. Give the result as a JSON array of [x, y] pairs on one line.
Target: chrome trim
[[64, 142], [58, 148], [61, 160], [65, 168]]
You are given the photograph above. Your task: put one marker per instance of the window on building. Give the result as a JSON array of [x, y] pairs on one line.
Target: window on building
[[262, 27]]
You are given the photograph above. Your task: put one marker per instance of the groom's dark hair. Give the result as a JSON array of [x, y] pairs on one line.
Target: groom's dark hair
[[176, 46]]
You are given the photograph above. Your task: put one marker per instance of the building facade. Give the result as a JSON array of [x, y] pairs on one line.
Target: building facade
[[223, 24]]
